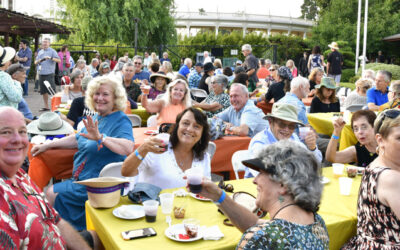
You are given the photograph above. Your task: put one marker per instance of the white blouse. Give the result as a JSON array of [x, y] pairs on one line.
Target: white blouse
[[163, 171]]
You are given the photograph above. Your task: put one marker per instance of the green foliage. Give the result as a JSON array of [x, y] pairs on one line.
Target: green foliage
[[99, 21], [289, 47], [347, 74], [309, 10], [349, 85], [394, 69]]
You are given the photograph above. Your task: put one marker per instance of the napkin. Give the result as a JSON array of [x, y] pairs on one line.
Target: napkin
[[211, 233]]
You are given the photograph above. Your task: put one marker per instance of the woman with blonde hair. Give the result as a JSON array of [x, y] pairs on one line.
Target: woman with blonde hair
[[359, 95], [174, 101], [166, 67], [315, 78], [292, 67], [218, 66]]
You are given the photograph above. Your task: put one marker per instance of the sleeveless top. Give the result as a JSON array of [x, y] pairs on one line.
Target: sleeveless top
[[364, 157], [316, 62], [169, 113], [377, 225]]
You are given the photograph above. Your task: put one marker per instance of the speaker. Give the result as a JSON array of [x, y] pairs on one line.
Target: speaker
[[217, 52]]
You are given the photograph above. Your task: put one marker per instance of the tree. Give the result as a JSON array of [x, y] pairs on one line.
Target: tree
[[98, 21], [309, 10]]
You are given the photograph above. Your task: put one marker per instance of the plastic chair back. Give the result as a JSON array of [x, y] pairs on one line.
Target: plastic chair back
[[135, 119], [152, 121], [211, 149], [237, 159]]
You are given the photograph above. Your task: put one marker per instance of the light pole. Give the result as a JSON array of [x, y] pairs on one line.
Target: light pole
[[136, 20]]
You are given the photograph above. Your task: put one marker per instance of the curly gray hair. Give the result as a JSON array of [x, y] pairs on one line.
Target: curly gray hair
[[296, 168]]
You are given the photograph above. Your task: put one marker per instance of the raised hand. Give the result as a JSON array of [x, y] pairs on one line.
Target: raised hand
[[92, 129]]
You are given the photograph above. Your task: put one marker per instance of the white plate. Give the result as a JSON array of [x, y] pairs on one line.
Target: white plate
[[136, 210], [173, 233], [150, 132], [198, 197], [325, 180]]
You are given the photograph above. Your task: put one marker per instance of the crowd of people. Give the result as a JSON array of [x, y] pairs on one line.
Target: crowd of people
[[278, 154]]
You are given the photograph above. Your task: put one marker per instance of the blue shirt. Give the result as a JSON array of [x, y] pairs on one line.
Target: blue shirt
[[24, 109], [249, 115], [194, 79], [292, 99], [142, 75], [266, 137], [184, 70], [47, 66], [26, 53], [376, 96]]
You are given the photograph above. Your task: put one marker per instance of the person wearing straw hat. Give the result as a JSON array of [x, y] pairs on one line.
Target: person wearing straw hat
[[28, 221], [10, 90], [325, 99], [160, 81], [107, 137], [335, 62], [49, 124], [283, 120]]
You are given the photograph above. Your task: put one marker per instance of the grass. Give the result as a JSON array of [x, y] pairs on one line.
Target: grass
[[350, 85]]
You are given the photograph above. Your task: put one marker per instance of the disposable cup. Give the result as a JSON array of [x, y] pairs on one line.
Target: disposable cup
[[191, 227], [303, 131], [150, 210], [146, 90], [337, 169], [165, 138], [194, 176], [167, 202], [345, 185]]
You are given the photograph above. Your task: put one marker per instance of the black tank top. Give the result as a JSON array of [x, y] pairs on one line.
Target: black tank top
[[364, 157]]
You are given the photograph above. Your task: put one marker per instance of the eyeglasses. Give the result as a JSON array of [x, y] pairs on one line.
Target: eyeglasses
[[271, 70], [138, 63], [282, 125], [391, 113], [363, 127], [40, 204]]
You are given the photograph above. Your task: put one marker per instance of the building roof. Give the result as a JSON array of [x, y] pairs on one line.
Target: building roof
[[12, 22], [392, 38]]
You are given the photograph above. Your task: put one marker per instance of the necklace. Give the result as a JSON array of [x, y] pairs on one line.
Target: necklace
[[280, 209]]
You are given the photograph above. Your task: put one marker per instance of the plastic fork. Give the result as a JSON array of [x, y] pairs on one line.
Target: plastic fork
[[168, 220]]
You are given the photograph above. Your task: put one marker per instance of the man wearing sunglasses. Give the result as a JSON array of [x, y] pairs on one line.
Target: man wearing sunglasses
[[140, 75], [282, 123]]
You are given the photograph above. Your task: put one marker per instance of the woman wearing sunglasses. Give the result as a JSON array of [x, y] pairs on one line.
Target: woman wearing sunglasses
[[364, 152], [378, 210]]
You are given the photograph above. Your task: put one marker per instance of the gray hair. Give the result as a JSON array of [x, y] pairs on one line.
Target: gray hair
[[95, 60], [386, 74], [220, 79], [368, 73], [81, 61], [247, 47], [241, 86], [128, 64], [268, 61], [297, 82], [75, 74], [297, 169], [137, 57], [187, 61]]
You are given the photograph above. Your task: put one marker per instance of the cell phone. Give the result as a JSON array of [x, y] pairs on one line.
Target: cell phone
[[138, 233]]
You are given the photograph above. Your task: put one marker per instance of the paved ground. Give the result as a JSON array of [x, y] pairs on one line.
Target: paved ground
[[34, 99]]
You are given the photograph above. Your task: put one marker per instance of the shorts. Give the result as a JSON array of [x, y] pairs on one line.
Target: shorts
[[50, 79]]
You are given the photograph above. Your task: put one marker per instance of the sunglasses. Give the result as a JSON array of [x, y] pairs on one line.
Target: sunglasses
[[271, 70], [391, 113], [282, 125], [137, 63]]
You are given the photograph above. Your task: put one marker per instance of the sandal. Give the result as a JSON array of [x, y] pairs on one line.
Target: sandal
[[44, 109]]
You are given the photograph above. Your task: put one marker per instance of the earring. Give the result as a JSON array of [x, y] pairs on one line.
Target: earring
[[281, 199], [377, 150]]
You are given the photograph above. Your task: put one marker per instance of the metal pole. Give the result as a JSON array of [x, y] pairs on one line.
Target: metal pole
[[365, 34], [136, 33], [358, 35]]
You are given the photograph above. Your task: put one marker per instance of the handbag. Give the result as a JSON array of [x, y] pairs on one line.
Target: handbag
[[165, 127]]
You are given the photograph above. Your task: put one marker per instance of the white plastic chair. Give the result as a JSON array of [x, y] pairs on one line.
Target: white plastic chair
[[114, 170], [152, 121], [198, 93], [237, 159], [135, 119], [49, 88], [211, 149], [355, 107]]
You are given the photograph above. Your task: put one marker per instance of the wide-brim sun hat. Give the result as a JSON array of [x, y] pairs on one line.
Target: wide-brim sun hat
[[160, 74], [334, 45], [327, 82], [104, 192], [49, 123], [257, 165], [6, 54], [208, 67], [284, 111]]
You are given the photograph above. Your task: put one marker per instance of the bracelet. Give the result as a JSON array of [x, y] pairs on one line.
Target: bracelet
[[221, 199], [335, 137], [101, 141], [138, 155]]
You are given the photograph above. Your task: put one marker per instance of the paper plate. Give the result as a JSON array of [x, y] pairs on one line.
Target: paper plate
[[199, 197], [129, 212], [325, 180], [174, 231], [151, 132]]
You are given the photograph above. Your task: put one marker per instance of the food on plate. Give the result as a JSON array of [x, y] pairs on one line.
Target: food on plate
[[179, 212], [351, 172]]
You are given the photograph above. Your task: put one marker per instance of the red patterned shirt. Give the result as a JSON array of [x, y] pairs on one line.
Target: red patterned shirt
[[27, 221]]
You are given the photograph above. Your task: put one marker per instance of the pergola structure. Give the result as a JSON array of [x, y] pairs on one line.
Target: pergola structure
[[394, 38], [14, 23]]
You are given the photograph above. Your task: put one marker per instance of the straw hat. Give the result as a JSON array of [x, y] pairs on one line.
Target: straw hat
[[333, 45], [6, 54], [284, 111], [159, 74], [49, 123], [327, 82], [103, 192]]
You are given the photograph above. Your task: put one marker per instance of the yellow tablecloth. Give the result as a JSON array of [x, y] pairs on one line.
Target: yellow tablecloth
[[322, 123], [140, 111], [339, 213]]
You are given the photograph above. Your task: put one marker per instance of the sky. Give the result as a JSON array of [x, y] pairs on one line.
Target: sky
[[273, 7]]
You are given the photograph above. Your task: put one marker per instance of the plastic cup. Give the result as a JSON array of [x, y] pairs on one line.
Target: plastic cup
[[150, 210], [191, 227], [345, 185], [194, 176], [337, 169], [303, 131], [167, 202], [164, 137], [146, 90]]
